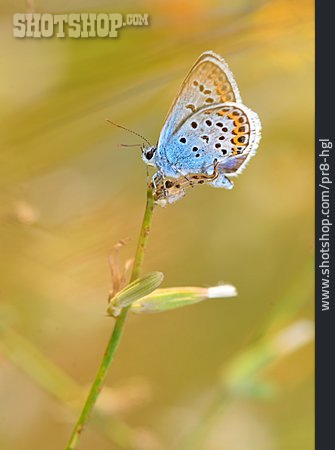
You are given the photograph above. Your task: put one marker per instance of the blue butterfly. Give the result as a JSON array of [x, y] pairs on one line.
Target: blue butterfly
[[208, 135]]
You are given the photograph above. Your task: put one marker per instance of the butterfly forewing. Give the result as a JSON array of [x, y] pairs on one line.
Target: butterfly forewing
[[209, 82]]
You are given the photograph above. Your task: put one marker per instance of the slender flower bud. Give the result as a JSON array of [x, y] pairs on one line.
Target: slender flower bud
[[170, 298]]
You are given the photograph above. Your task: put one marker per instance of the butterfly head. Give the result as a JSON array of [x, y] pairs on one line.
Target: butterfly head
[[148, 155]]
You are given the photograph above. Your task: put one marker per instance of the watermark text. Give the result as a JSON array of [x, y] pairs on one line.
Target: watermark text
[[75, 25]]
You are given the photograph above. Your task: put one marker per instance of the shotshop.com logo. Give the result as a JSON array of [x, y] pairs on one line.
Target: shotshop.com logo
[[83, 25]]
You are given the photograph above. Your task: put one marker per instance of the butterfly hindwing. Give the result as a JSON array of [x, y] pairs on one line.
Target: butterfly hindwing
[[227, 134]]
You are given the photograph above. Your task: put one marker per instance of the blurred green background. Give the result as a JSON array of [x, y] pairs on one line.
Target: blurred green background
[[69, 192]]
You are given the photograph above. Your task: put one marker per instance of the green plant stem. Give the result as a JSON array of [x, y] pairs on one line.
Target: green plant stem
[[117, 331]]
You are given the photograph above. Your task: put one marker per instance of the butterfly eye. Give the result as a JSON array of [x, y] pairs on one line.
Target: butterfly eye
[[150, 153]]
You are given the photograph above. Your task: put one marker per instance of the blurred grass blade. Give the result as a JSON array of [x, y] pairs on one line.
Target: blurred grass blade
[[134, 291], [245, 375], [176, 297]]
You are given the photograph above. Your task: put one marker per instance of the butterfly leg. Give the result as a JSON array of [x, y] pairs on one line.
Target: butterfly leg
[[157, 179], [188, 180]]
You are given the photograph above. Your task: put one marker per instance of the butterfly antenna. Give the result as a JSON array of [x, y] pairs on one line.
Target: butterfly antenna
[[130, 131], [130, 145]]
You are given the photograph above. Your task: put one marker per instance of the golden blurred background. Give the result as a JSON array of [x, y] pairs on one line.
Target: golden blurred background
[[69, 192]]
